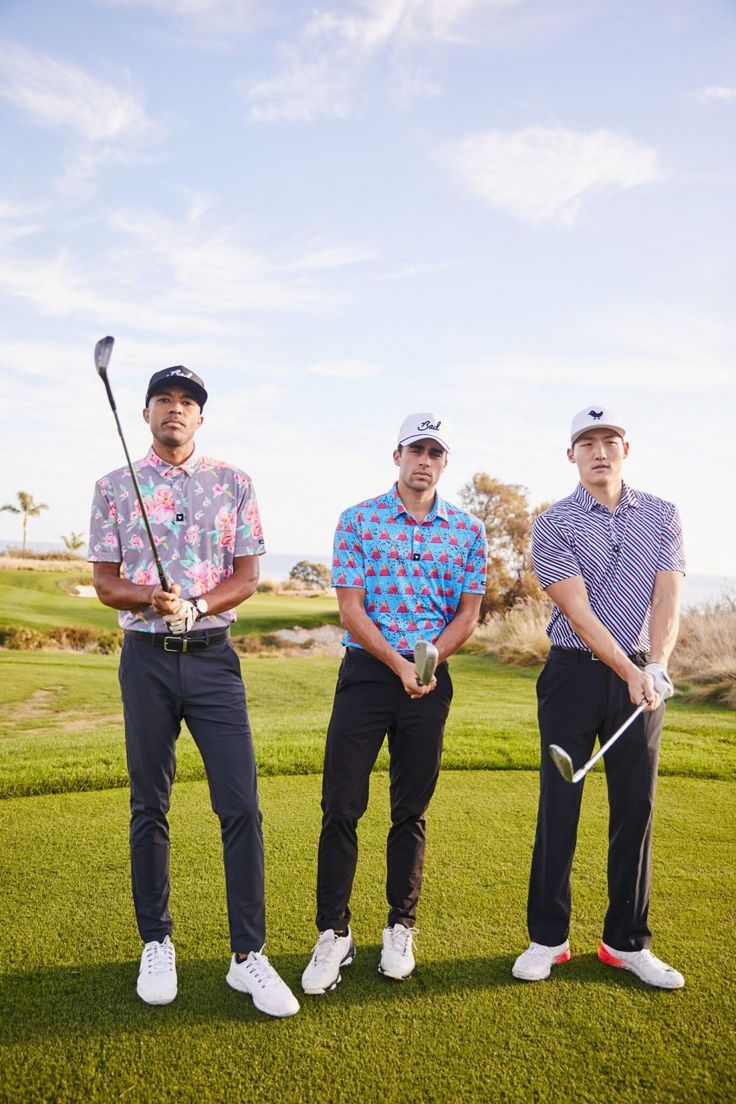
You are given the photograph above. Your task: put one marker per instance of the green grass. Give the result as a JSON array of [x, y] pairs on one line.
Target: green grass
[[460, 1030], [61, 722], [42, 600]]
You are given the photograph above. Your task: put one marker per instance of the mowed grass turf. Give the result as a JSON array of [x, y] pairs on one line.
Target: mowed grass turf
[[461, 1029], [61, 722], [43, 600]]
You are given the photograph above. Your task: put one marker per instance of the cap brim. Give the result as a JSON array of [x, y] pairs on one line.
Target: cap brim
[[194, 389], [425, 437], [581, 432]]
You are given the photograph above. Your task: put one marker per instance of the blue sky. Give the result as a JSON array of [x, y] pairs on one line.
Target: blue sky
[[338, 213]]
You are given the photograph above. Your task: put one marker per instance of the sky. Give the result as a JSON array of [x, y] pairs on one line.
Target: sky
[[338, 213]]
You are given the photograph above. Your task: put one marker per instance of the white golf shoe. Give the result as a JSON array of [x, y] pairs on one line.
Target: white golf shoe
[[331, 952], [256, 976], [157, 975], [536, 962], [397, 955], [648, 968]]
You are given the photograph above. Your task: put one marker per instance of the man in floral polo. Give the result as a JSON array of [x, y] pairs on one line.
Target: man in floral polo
[[178, 664], [407, 566]]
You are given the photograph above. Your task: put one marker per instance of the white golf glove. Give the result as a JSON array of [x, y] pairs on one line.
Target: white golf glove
[[185, 616], [662, 681]]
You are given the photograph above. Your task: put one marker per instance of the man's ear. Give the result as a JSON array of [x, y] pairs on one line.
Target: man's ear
[[397, 457], [145, 414]]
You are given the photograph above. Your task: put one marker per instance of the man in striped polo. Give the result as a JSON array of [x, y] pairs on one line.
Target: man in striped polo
[[407, 566], [611, 559]]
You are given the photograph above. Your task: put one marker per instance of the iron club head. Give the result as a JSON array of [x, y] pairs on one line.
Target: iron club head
[[103, 352], [562, 761], [425, 661]]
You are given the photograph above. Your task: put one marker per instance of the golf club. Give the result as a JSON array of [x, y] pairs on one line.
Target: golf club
[[425, 661], [103, 352], [563, 762]]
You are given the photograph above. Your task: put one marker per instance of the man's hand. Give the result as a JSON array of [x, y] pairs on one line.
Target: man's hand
[[661, 679], [183, 618], [166, 602], [641, 688], [410, 681]]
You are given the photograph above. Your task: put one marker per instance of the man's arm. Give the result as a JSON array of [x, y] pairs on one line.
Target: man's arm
[[121, 594], [462, 626], [665, 617], [571, 597], [353, 617]]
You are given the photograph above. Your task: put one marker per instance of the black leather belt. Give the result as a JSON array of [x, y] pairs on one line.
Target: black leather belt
[[581, 653], [196, 643]]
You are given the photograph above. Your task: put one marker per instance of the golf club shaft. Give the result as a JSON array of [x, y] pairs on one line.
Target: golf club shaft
[[102, 371], [609, 742]]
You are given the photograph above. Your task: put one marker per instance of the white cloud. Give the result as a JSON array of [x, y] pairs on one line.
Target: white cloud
[[715, 92], [189, 274], [54, 94], [345, 369], [545, 174], [320, 74]]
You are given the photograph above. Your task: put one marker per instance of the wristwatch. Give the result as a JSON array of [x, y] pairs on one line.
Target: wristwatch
[[200, 605]]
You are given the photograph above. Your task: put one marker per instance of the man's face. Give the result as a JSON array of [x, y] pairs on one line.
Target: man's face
[[174, 416], [599, 455], [421, 464]]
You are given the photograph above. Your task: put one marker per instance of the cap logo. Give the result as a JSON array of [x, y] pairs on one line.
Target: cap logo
[[181, 372], [428, 425], [595, 414]]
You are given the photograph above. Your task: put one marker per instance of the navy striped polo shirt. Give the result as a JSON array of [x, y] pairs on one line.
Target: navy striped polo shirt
[[618, 555]]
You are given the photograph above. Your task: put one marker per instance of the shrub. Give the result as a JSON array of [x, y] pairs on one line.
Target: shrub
[[519, 637], [268, 586]]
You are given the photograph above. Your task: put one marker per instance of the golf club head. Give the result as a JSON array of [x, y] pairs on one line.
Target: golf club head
[[103, 352], [425, 661], [562, 761]]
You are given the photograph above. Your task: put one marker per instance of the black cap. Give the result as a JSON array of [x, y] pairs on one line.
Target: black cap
[[178, 376]]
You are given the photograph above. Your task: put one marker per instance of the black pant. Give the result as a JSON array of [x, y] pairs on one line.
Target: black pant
[[579, 700], [370, 702], [160, 689]]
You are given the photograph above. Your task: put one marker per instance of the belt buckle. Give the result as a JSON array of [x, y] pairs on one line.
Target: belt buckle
[[181, 641], [594, 658]]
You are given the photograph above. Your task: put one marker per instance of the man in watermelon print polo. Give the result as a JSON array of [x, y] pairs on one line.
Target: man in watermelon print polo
[[407, 566]]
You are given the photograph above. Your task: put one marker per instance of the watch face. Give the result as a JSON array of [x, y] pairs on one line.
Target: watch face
[[201, 606]]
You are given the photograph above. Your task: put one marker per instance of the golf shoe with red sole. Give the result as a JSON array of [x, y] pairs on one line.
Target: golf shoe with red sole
[[536, 962], [647, 967]]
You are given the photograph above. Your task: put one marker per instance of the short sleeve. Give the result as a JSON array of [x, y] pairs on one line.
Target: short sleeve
[[474, 580], [249, 539], [671, 549], [552, 553], [104, 537], [348, 554]]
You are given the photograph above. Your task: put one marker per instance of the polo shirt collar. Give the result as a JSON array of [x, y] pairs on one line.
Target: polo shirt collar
[[439, 507], [629, 498], [189, 466]]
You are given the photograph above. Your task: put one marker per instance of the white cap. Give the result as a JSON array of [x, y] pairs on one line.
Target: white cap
[[415, 427], [595, 417]]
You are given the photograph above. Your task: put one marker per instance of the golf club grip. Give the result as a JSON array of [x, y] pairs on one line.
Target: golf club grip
[[159, 566]]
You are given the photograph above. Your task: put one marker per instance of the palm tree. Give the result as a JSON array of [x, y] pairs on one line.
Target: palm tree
[[27, 507], [73, 542]]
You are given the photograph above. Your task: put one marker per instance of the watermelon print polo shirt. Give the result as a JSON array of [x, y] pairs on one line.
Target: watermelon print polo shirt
[[413, 572]]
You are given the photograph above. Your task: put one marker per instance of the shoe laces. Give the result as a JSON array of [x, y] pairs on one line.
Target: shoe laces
[[539, 950], [401, 938], [159, 957], [261, 970], [326, 946]]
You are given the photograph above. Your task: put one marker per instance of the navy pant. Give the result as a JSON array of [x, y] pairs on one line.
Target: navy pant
[[370, 702], [579, 700], [160, 689]]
